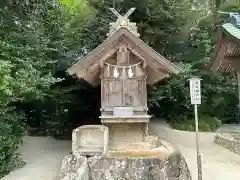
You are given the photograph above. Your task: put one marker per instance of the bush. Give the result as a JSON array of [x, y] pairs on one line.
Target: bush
[[11, 134], [205, 124]]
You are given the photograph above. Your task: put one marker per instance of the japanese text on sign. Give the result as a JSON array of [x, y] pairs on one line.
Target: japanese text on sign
[[195, 91]]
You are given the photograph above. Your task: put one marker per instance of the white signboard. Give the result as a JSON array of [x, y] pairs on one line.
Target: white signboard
[[195, 90], [123, 111]]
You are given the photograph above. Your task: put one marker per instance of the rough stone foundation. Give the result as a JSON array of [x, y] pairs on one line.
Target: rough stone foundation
[[74, 167], [161, 163], [142, 168]]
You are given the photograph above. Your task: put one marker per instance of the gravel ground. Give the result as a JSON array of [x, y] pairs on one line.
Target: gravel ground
[[218, 163], [44, 155]]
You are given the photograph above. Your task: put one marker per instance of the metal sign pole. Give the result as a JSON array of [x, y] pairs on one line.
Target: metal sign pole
[[199, 163], [195, 94]]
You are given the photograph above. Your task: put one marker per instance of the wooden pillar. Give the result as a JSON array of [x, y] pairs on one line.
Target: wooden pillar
[[146, 129], [238, 83], [145, 93]]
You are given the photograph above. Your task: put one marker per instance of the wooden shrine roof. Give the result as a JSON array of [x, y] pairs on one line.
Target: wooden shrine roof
[[226, 57], [89, 67]]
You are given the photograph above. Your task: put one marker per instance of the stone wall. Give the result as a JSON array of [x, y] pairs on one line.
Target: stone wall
[[231, 141], [141, 168]]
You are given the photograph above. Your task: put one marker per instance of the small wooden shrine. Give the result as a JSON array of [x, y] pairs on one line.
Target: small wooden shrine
[[226, 57], [123, 65]]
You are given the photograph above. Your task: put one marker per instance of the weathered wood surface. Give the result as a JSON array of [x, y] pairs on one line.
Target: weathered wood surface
[[226, 55], [123, 92], [160, 67]]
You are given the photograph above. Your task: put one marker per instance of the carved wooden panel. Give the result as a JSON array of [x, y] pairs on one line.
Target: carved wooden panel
[[123, 55], [113, 93], [123, 93], [133, 93]]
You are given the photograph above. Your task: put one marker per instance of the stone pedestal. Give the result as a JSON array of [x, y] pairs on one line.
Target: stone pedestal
[[131, 156], [162, 163], [127, 131]]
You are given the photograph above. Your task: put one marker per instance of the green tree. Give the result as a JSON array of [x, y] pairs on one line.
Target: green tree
[[27, 58], [219, 90]]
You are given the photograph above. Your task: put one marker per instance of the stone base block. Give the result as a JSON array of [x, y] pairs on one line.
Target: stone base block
[[231, 141], [148, 143], [125, 167], [90, 140], [162, 163]]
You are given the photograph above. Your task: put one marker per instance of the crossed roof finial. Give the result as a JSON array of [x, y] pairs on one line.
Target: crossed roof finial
[[123, 21], [130, 11]]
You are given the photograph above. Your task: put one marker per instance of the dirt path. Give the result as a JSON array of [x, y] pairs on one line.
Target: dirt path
[[43, 156], [218, 162]]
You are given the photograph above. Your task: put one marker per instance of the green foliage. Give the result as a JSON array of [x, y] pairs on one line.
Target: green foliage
[[205, 124], [12, 130], [219, 91], [26, 65], [160, 24], [81, 7]]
